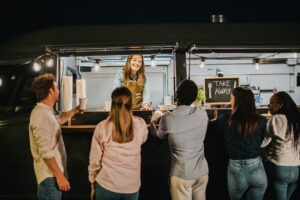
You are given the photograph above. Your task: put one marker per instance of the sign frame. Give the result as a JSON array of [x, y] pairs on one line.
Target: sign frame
[[209, 80]]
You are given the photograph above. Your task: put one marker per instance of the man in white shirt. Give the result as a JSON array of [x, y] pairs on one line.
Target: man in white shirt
[[46, 142]]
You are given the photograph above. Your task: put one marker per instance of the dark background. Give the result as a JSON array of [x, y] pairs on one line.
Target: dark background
[[21, 17]]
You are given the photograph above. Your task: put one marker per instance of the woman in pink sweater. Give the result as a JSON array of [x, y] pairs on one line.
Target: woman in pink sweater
[[115, 156]]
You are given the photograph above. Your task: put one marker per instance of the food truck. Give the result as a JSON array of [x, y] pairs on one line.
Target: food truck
[[85, 61]]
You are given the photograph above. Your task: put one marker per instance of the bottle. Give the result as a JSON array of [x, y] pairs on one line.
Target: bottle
[[257, 97]]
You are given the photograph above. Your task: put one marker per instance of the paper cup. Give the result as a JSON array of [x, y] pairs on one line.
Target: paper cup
[[107, 105], [168, 100], [82, 103]]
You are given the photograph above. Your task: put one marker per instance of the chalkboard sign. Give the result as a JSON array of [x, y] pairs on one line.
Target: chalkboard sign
[[218, 90]]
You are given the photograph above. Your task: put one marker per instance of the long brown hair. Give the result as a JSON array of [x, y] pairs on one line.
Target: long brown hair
[[243, 116], [121, 115], [140, 74]]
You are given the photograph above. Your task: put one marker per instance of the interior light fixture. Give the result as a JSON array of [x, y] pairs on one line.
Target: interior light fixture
[[97, 65], [257, 66], [49, 62], [0, 82], [153, 62], [202, 63], [36, 66], [219, 73]]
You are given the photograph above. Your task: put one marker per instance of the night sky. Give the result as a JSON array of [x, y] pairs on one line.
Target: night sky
[[20, 17]]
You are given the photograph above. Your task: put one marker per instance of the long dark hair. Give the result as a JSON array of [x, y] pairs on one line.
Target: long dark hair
[[243, 116], [121, 115], [290, 110]]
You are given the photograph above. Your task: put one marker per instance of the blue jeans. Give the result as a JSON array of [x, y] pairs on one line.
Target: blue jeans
[[283, 180], [104, 194], [246, 178], [48, 190]]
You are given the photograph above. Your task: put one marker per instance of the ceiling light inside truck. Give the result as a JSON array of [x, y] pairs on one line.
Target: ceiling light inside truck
[[202, 63], [97, 65], [152, 61]]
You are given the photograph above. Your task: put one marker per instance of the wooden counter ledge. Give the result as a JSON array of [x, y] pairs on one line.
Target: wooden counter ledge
[[88, 121], [78, 128]]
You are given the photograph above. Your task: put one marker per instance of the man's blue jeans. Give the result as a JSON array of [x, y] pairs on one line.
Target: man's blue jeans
[[246, 178], [283, 180], [104, 194], [48, 190]]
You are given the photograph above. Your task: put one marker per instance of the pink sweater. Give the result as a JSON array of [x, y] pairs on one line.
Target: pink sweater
[[115, 166]]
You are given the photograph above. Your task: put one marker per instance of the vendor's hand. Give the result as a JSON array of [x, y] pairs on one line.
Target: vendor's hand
[[146, 107]]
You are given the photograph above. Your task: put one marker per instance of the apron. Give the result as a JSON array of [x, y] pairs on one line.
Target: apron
[[137, 94]]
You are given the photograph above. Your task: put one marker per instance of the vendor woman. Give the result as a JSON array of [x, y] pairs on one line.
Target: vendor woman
[[134, 78]]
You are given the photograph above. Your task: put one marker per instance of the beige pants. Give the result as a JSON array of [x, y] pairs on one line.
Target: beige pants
[[188, 189]]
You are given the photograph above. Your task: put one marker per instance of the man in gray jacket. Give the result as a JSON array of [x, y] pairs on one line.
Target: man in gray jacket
[[185, 128]]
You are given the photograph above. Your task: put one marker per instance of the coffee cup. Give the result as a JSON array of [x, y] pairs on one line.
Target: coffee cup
[[107, 105], [168, 100], [82, 103]]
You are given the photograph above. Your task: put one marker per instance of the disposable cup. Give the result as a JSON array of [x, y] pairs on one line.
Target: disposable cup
[[82, 103], [168, 100], [107, 105]]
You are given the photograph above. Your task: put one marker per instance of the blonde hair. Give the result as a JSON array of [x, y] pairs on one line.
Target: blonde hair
[[140, 74], [121, 115]]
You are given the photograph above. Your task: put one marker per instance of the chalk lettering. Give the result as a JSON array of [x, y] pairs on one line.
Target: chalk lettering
[[219, 91], [222, 83]]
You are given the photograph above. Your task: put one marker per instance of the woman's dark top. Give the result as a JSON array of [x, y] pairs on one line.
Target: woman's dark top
[[238, 148]]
